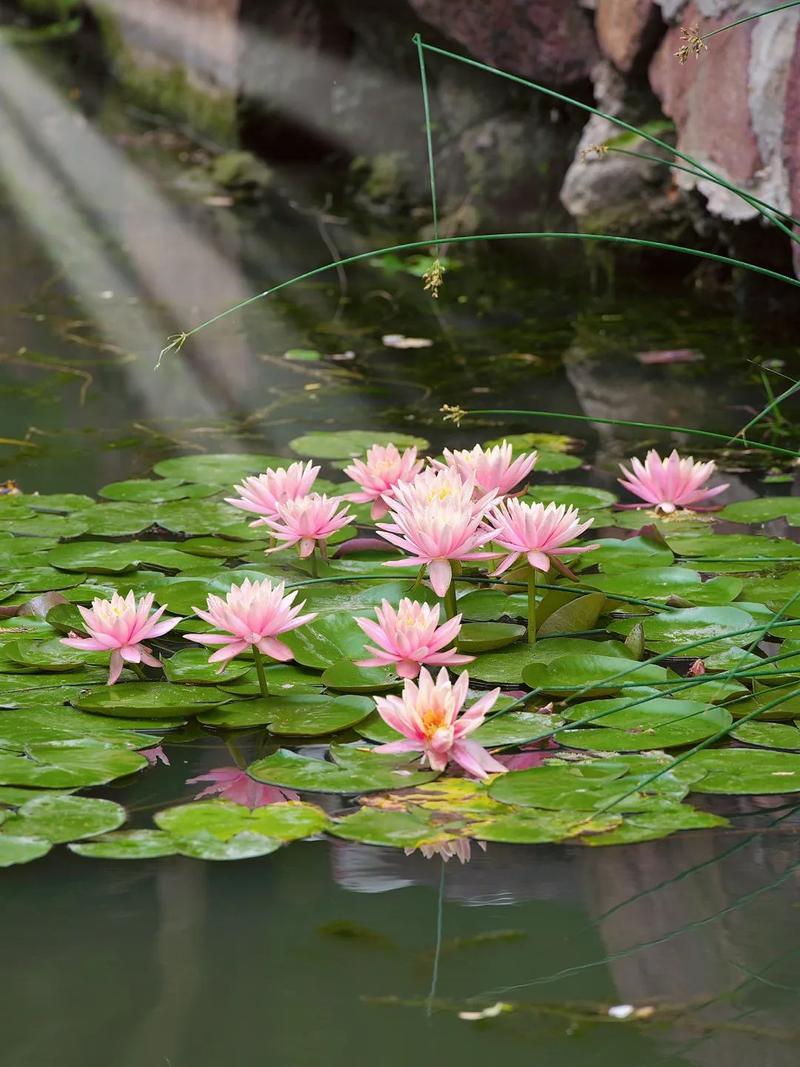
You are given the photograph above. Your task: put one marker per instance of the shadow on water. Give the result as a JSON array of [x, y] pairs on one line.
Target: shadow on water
[[324, 953]]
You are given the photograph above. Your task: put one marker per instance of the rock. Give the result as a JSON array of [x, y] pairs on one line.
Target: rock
[[610, 193], [732, 106], [628, 31], [546, 40]]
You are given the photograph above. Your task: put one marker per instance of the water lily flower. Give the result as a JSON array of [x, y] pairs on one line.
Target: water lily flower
[[437, 522], [383, 469], [492, 468], [670, 483], [539, 533], [252, 615], [427, 715], [262, 494], [232, 783], [119, 626], [308, 521], [409, 637]]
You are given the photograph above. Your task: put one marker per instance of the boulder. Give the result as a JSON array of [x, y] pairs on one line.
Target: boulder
[[628, 31], [547, 40]]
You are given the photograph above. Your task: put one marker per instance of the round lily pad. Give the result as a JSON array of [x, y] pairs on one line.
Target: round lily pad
[[20, 849], [150, 700], [66, 818], [69, 764], [128, 845], [222, 470], [740, 771], [353, 770], [768, 735], [191, 666], [485, 636], [344, 444]]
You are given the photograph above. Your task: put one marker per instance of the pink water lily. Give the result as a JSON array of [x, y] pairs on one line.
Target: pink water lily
[[437, 522], [427, 715], [232, 783], [252, 615], [119, 626], [155, 755], [458, 847], [539, 533], [670, 483], [409, 637], [384, 468], [261, 494], [308, 521], [492, 469]]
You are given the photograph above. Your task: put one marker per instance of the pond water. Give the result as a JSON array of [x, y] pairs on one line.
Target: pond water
[[334, 952]]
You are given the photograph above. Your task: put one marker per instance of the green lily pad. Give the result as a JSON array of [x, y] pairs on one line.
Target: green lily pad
[[710, 627], [149, 700], [477, 637], [156, 491], [763, 509], [739, 771], [345, 677], [653, 724], [580, 613], [221, 470], [593, 674], [787, 710], [68, 764], [128, 845], [614, 555], [191, 666], [15, 850], [768, 735], [540, 827], [33, 725], [327, 640], [396, 829], [106, 557], [288, 821], [52, 655], [653, 825], [489, 605], [353, 770], [315, 716], [583, 497], [344, 444], [65, 818]]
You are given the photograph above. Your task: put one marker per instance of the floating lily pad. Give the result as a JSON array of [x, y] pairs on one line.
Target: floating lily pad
[[29, 726], [788, 709], [653, 825], [345, 677], [65, 818], [149, 700], [353, 770], [540, 827], [763, 509], [106, 557], [477, 637], [585, 787], [580, 613], [327, 640], [156, 491], [51, 655], [739, 771], [15, 849], [708, 630], [583, 497], [768, 735], [592, 674], [222, 470], [651, 724], [224, 820], [128, 845], [397, 829], [68, 764], [344, 444], [614, 555], [191, 666], [488, 605]]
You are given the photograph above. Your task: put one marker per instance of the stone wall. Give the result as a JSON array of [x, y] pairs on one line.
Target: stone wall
[[337, 80]]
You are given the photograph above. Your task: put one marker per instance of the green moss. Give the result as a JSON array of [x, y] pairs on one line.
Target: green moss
[[167, 89], [55, 9]]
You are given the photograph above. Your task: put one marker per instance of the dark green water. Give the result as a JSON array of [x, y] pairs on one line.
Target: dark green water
[[332, 953]]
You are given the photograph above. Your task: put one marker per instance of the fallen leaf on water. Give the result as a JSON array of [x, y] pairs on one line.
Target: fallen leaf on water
[[488, 1013], [671, 355], [399, 340]]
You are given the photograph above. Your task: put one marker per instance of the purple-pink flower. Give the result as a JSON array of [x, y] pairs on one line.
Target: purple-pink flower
[[385, 467], [252, 615], [437, 522], [409, 637], [458, 847], [261, 494], [670, 483], [308, 521], [232, 783], [491, 469], [539, 533], [119, 626], [428, 716]]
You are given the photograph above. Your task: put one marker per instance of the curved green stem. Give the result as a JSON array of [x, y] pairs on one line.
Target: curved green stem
[[262, 677], [449, 600], [749, 18], [409, 246], [716, 178]]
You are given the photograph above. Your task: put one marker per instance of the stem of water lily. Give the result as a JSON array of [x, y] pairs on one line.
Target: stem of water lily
[[262, 678], [138, 670], [312, 563], [450, 607], [531, 605]]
